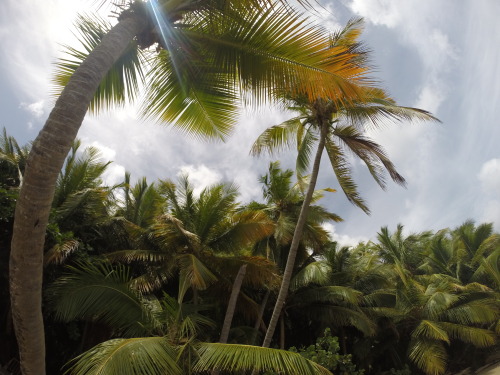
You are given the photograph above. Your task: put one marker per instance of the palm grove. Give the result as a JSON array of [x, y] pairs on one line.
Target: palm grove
[[153, 278]]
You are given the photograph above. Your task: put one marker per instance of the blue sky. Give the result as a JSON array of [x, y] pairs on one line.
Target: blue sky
[[439, 55]]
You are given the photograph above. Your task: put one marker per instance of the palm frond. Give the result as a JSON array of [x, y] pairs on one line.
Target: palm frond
[[121, 82], [235, 358], [313, 273], [304, 151], [60, 252], [428, 355], [430, 330], [99, 292], [478, 337], [135, 356], [277, 138], [344, 175]]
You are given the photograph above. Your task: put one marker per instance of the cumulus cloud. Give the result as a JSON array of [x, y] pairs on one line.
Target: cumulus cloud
[[489, 176], [35, 109], [343, 239], [200, 176]]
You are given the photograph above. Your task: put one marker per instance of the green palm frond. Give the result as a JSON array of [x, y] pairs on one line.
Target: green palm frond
[[478, 337], [329, 294], [275, 48], [428, 355], [99, 292], [489, 269], [378, 107], [430, 330], [245, 228], [198, 99], [439, 302], [135, 356], [277, 138], [195, 272], [313, 273], [81, 173], [305, 151], [477, 311], [330, 315], [121, 82], [235, 358], [343, 173], [371, 153]]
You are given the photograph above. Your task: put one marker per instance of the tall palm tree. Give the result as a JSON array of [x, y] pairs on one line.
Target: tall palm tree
[[209, 50], [337, 126], [283, 201]]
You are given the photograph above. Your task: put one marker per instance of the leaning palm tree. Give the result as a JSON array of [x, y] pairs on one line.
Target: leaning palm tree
[[209, 51], [337, 126], [283, 201]]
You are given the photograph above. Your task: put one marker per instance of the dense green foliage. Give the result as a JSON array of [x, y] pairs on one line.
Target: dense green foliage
[[150, 266]]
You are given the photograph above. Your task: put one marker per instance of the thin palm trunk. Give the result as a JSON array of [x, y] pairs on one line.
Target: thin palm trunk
[[33, 206], [232, 304], [297, 235], [258, 321], [282, 331]]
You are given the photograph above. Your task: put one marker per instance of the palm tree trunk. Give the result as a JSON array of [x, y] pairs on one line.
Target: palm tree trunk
[[297, 235], [258, 321], [282, 331], [33, 206], [231, 306]]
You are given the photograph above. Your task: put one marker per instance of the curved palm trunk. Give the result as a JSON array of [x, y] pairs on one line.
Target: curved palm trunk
[[297, 235], [33, 206], [231, 306]]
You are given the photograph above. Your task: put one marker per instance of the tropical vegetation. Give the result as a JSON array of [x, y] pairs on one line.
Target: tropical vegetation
[[155, 277], [147, 270]]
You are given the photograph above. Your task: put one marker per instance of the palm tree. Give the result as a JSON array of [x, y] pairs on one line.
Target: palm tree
[[282, 206], [199, 240], [208, 51], [337, 126], [436, 311]]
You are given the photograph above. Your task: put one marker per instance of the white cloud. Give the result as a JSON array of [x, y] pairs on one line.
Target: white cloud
[[200, 176], [107, 153], [35, 109], [379, 12], [489, 176], [114, 174], [343, 239]]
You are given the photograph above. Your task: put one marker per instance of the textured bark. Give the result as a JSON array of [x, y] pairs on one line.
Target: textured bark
[[33, 206], [231, 306], [297, 235]]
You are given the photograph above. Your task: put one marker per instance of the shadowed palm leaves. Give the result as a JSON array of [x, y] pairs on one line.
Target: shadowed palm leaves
[[435, 308], [442, 311], [105, 293]]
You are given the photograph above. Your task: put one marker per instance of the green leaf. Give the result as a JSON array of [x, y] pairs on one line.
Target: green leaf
[[136, 356], [233, 358]]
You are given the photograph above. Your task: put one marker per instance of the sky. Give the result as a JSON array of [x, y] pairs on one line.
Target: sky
[[439, 55]]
